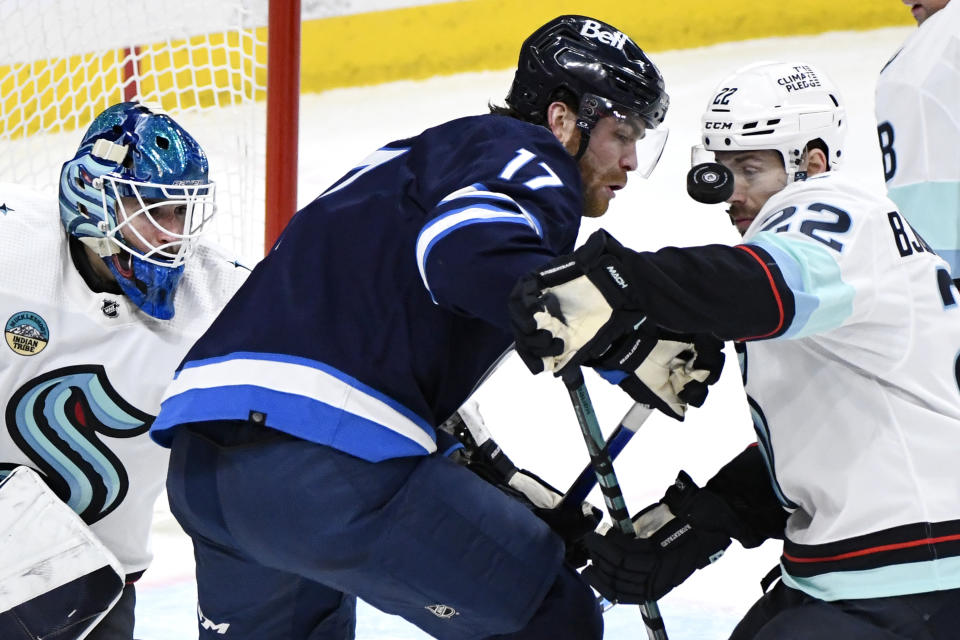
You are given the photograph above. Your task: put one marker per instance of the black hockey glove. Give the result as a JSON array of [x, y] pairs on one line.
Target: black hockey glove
[[574, 307], [666, 371], [687, 530]]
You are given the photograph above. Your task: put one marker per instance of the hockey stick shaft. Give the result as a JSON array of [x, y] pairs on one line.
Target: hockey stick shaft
[[587, 479], [609, 486]]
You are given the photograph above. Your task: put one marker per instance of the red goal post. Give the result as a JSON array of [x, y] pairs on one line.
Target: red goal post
[[227, 70]]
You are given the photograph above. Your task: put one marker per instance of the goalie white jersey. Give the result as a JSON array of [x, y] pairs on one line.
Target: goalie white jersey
[[856, 403], [82, 373], [917, 100]]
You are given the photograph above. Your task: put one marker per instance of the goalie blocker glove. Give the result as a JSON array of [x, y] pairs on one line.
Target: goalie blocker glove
[[666, 371]]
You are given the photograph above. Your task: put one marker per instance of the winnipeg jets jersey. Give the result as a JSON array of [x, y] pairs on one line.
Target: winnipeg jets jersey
[[856, 401], [385, 300], [82, 373], [917, 97]]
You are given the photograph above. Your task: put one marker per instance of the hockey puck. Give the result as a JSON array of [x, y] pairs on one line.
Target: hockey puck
[[710, 183]]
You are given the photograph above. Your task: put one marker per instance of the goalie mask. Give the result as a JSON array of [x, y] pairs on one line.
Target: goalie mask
[[137, 192], [778, 106], [603, 69]]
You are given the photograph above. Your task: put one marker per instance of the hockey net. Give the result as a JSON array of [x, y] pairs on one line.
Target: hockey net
[[203, 61]]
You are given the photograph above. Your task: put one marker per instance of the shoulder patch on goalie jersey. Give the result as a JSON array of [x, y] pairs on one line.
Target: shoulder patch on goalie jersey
[[26, 333]]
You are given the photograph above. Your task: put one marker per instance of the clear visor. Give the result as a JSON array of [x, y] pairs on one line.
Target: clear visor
[[700, 155], [649, 143], [162, 230], [649, 150]]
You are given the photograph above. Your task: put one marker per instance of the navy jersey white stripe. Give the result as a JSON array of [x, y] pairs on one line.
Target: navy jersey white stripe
[[384, 302], [472, 205]]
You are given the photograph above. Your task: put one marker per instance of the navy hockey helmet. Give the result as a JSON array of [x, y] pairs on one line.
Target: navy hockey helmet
[[137, 192], [586, 57]]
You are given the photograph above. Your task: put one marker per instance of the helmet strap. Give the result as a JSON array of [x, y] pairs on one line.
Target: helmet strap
[[93, 279], [584, 142]]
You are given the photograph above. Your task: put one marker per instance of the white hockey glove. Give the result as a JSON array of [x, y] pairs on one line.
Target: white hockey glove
[[667, 371]]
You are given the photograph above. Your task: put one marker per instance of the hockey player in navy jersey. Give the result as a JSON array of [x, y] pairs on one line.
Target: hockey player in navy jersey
[[306, 464], [847, 329], [104, 290]]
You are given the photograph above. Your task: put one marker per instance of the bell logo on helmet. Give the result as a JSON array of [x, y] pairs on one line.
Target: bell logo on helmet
[[591, 29]]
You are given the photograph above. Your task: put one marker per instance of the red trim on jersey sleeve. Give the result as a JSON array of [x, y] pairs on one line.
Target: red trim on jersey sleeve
[[773, 287]]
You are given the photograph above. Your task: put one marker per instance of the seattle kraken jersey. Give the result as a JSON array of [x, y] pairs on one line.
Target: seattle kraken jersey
[[385, 300], [917, 97], [848, 335], [82, 373], [855, 400]]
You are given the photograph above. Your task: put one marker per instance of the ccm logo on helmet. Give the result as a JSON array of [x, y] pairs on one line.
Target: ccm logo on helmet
[[718, 125], [615, 39]]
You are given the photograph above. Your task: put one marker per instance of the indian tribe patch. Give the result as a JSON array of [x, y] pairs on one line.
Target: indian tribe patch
[[26, 333]]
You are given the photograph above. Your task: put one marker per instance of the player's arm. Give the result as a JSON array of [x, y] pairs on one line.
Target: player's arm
[[811, 270], [733, 292], [510, 206], [58, 579]]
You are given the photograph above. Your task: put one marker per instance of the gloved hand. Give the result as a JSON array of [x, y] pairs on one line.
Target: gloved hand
[[574, 307], [569, 521], [483, 456], [666, 370], [687, 530]]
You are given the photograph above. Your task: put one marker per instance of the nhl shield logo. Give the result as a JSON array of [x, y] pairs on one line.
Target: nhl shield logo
[[110, 308], [442, 611], [26, 333]]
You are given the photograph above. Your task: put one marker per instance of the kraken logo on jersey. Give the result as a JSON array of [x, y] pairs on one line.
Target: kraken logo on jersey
[[26, 333], [57, 419]]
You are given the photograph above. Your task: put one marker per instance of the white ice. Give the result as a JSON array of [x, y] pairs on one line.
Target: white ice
[[531, 416]]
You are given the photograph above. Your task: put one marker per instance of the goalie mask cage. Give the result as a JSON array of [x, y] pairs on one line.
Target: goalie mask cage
[[205, 62]]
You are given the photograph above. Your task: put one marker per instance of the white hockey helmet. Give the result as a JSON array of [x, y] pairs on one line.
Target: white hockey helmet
[[776, 105]]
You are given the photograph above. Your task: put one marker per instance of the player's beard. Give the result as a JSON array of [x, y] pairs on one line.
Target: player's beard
[[595, 197], [741, 213]]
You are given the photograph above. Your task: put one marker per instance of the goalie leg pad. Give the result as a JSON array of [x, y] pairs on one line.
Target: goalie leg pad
[[61, 580]]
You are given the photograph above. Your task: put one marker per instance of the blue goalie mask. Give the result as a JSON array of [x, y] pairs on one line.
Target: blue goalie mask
[[137, 192]]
